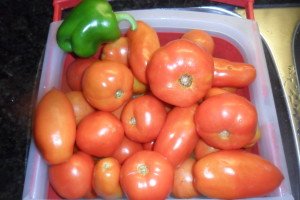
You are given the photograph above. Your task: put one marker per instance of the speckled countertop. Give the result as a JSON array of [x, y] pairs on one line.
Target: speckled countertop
[[23, 33]]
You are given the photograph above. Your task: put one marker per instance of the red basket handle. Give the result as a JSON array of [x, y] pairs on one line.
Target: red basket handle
[[247, 4]]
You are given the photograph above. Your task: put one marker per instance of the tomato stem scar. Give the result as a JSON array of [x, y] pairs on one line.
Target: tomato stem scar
[[224, 135], [186, 80], [142, 169], [119, 93], [132, 121], [106, 165]]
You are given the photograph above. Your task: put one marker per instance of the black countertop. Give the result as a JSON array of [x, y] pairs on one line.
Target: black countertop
[[23, 29]]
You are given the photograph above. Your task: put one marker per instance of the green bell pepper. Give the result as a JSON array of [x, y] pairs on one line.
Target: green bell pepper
[[88, 25]]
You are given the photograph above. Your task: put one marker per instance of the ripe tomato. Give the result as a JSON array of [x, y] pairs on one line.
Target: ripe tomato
[[183, 186], [55, 127], [106, 178], [116, 51], [202, 149], [138, 87], [149, 145], [226, 121], [99, 134], [142, 43], [107, 85], [178, 137], [235, 174], [216, 90], [255, 139], [232, 74], [201, 38], [73, 178], [146, 175], [126, 149], [142, 118], [180, 73], [80, 106], [75, 72]]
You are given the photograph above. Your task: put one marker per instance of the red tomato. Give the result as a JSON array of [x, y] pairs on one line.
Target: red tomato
[[142, 43], [107, 85], [235, 174], [178, 137], [180, 73], [226, 121], [202, 149], [116, 51], [146, 175], [149, 145], [126, 149], [232, 74], [215, 91], [106, 178], [55, 127], [99, 134], [80, 106], [75, 72], [183, 186], [142, 118], [201, 38], [73, 178], [255, 139]]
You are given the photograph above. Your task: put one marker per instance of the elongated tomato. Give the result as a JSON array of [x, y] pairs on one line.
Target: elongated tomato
[[55, 127], [234, 174]]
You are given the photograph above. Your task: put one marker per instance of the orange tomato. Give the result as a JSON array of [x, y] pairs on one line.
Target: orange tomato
[[201, 38], [116, 51]]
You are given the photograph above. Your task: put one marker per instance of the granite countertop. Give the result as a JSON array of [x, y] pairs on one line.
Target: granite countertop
[[24, 27]]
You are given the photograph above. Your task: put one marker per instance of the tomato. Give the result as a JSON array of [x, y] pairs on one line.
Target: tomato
[[226, 121], [80, 106], [99, 134], [54, 127], [146, 175], [126, 149], [201, 38], [73, 178], [215, 91], [232, 74], [138, 87], [178, 137], [116, 51], [142, 118], [255, 139], [202, 149], [183, 186], [107, 85], [235, 174], [180, 73], [149, 145], [142, 43], [106, 178], [75, 72]]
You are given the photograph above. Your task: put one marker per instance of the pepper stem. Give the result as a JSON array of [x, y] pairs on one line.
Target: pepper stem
[[126, 17]]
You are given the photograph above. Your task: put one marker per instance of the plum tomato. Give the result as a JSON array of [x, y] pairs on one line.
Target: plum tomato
[[183, 186], [99, 134], [143, 118], [106, 175], [72, 179], [178, 137], [180, 73], [226, 121], [107, 85], [55, 127], [146, 175], [202, 149], [235, 174]]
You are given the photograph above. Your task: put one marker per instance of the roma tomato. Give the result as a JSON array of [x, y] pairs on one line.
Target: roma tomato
[[201, 38], [107, 85], [142, 43], [178, 137], [99, 134], [80, 106], [146, 175], [126, 149], [116, 51], [232, 74], [202, 149], [55, 127], [180, 73], [73, 178], [106, 178], [226, 121], [143, 118], [183, 186], [235, 174], [75, 72]]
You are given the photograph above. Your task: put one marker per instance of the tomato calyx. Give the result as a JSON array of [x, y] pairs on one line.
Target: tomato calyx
[[119, 94], [142, 169], [224, 135], [186, 80], [132, 121]]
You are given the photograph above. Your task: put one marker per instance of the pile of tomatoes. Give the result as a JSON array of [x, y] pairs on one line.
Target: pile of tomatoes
[[152, 121]]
